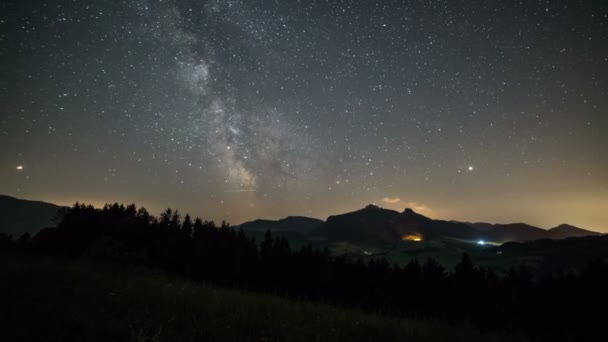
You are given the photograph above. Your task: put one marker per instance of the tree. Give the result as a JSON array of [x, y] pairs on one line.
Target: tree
[[165, 218], [198, 229], [187, 226], [175, 221], [432, 271], [464, 270]]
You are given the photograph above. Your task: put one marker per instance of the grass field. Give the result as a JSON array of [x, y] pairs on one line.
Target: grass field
[[52, 300]]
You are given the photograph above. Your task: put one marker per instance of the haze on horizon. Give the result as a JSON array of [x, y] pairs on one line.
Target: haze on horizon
[[464, 110]]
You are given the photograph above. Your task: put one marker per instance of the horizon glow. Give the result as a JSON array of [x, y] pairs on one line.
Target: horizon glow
[[241, 110]]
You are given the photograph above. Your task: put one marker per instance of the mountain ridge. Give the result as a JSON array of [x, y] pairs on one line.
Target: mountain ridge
[[373, 223], [370, 225]]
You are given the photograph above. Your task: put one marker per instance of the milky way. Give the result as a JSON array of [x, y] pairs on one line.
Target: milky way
[[476, 110], [251, 142]]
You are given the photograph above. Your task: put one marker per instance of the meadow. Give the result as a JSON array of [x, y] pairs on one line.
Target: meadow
[[63, 300]]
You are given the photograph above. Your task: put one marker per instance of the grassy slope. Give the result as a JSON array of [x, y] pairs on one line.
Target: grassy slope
[[65, 301]]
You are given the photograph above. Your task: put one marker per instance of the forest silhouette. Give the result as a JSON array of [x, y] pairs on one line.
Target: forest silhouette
[[556, 306]]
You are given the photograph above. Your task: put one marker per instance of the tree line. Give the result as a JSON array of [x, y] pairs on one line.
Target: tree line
[[559, 306]]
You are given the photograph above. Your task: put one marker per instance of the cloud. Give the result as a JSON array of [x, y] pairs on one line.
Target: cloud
[[409, 204], [417, 206]]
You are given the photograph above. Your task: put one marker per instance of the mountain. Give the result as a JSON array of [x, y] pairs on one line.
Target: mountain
[[521, 232], [410, 222], [369, 225], [483, 227], [518, 232], [377, 225], [565, 231], [373, 225], [293, 224], [19, 216]]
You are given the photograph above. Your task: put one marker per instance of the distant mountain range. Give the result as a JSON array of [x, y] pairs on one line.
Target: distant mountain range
[[19, 216], [370, 225], [521, 232], [374, 225]]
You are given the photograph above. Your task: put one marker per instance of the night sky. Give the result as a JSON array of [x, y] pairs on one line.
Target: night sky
[[470, 110]]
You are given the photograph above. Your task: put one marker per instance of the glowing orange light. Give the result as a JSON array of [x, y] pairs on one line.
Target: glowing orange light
[[412, 237]]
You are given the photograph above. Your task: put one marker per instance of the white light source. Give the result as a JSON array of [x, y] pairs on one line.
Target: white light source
[[481, 242], [19, 168]]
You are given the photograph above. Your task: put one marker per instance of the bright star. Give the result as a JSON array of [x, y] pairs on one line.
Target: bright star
[[471, 168], [19, 167]]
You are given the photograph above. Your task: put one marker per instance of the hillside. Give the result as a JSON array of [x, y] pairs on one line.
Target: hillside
[[565, 231], [19, 216], [78, 301], [521, 232], [370, 225], [483, 227], [296, 224], [518, 232], [410, 222], [373, 225]]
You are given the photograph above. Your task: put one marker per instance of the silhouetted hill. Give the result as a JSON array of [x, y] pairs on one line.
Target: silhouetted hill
[[19, 216], [516, 232], [299, 224], [521, 232], [565, 230], [410, 222], [377, 225], [369, 225], [373, 224], [483, 227]]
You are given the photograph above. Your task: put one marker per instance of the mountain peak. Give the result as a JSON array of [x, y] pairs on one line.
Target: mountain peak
[[371, 207], [565, 226], [567, 230], [409, 211]]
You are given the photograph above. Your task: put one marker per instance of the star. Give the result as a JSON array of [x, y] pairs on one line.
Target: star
[[221, 96]]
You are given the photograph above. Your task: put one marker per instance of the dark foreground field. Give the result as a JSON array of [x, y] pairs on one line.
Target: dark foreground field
[[53, 300]]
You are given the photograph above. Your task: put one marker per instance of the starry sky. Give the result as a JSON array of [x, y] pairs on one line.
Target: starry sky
[[462, 109]]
